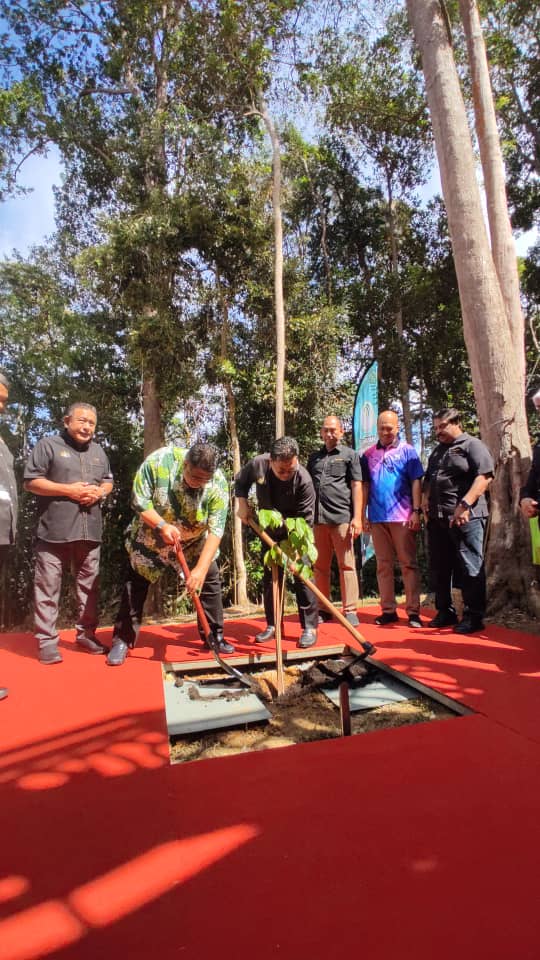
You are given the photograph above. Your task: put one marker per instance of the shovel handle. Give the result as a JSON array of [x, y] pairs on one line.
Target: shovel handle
[[324, 601], [194, 596]]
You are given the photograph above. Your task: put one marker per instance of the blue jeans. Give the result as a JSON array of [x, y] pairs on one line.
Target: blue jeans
[[456, 558]]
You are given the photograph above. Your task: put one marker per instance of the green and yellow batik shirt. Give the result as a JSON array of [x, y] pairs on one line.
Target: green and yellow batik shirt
[[159, 485]]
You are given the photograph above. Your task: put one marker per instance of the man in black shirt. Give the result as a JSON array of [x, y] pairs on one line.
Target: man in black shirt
[[337, 477], [71, 476], [8, 496], [281, 484], [458, 474]]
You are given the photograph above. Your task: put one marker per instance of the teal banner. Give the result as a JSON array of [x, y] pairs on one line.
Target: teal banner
[[366, 409]]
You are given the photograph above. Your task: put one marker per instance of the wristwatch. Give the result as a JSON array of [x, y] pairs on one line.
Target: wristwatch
[[465, 505], [159, 525], [417, 510]]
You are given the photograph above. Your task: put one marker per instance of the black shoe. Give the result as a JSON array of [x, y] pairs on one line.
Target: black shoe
[[469, 625], [3, 693], [386, 618], [117, 654], [353, 619], [307, 638], [444, 618], [223, 645], [50, 654], [325, 617], [415, 622], [91, 645], [265, 635]]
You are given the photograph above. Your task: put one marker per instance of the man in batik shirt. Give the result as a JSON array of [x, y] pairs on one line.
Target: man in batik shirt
[[178, 496]]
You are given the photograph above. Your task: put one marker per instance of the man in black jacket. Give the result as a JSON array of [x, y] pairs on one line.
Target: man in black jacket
[[281, 484], [458, 474], [71, 476]]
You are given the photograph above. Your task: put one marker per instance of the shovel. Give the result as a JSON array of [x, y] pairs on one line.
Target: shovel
[[203, 620], [367, 647]]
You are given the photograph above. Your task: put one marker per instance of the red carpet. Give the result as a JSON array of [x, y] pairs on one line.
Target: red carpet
[[420, 842]]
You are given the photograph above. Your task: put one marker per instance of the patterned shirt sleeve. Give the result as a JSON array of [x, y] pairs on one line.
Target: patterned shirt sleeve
[[218, 504], [144, 484]]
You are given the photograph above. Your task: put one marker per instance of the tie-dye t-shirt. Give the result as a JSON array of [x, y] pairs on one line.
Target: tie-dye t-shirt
[[391, 471]]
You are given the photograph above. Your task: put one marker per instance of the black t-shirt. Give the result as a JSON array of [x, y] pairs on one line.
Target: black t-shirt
[[332, 472], [60, 459], [451, 470], [293, 498]]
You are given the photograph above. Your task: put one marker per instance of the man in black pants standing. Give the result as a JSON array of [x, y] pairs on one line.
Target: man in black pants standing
[[8, 496], [71, 477], [283, 485], [458, 474]]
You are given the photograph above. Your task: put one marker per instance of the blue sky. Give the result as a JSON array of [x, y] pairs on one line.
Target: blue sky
[[29, 219]]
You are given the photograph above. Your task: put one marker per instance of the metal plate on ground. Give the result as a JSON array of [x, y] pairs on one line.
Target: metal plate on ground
[[377, 693], [194, 707]]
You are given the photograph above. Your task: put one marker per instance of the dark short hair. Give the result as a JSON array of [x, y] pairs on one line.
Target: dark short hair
[[80, 406], [285, 448], [450, 414], [204, 456], [4, 381]]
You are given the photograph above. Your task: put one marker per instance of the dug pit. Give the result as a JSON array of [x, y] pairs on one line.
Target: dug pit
[[303, 713]]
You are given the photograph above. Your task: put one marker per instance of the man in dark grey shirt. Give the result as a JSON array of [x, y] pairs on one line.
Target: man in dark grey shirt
[[71, 476], [8, 495], [336, 472]]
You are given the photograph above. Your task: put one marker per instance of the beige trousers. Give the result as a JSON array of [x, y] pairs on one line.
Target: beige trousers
[[391, 540], [336, 538]]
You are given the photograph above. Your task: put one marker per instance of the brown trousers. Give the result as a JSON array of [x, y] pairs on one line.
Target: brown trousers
[[391, 540], [335, 538]]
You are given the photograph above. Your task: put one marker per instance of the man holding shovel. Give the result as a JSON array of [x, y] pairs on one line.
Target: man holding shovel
[[283, 485], [179, 496]]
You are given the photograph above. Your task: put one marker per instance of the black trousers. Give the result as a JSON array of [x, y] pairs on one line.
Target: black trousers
[[130, 612], [456, 558], [306, 601]]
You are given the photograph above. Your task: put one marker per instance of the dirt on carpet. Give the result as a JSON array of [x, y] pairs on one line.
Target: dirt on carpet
[[300, 715]]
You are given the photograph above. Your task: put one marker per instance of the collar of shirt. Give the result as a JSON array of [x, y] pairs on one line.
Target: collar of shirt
[[337, 449], [457, 439], [388, 446], [80, 447]]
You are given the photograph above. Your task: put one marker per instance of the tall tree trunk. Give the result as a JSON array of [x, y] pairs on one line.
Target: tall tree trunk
[[279, 305], [496, 372], [319, 202], [398, 314], [153, 433], [240, 573], [503, 248]]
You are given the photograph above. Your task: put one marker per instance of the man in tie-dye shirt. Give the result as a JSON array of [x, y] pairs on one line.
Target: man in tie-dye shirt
[[393, 497], [178, 496]]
